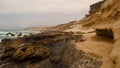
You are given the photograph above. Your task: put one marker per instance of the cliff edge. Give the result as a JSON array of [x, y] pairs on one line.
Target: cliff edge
[[104, 19], [92, 42]]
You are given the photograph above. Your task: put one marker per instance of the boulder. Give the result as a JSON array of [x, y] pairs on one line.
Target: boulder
[[19, 34], [11, 34]]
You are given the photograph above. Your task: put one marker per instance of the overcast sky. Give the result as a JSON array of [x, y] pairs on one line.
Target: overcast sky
[[26, 13]]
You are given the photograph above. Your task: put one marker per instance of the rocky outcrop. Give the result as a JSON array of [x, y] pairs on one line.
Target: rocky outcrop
[[104, 18], [55, 50], [110, 11], [45, 50], [95, 7], [10, 34], [19, 34]]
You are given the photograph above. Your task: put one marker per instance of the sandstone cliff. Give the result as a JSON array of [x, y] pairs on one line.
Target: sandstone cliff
[[100, 31], [104, 18]]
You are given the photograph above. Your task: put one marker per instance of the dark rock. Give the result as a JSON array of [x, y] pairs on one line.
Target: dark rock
[[55, 59], [31, 52], [5, 41], [20, 34], [10, 34], [45, 50], [7, 52], [95, 7], [40, 53]]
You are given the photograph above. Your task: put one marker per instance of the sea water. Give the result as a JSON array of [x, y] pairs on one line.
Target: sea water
[[3, 33]]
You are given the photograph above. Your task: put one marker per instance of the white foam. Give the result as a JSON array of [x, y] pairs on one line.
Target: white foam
[[24, 32], [0, 40], [3, 32]]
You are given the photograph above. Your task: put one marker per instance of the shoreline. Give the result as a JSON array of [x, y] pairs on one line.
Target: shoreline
[[16, 33], [54, 49]]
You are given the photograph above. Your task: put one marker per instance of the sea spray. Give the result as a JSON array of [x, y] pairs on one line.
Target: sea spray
[[16, 33]]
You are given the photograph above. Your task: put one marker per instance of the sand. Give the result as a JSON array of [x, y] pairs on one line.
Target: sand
[[97, 46]]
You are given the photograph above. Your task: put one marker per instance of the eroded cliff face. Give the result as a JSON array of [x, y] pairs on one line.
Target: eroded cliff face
[[109, 19], [105, 20], [101, 27]]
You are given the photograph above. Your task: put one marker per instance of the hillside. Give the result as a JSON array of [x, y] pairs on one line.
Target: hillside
[[59, 27]]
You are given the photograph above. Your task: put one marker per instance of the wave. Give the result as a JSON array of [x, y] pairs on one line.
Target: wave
[[3, 32], [20, 33], [0, 40]]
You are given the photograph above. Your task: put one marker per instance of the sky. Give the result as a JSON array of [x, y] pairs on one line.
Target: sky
[[16, 14]]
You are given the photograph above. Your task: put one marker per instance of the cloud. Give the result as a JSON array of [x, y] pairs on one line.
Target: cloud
[[25, 13], [43, 6]]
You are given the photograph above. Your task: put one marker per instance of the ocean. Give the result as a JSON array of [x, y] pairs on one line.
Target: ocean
[[15, 33]]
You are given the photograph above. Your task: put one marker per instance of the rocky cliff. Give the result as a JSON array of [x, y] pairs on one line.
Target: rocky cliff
[[92, 42], [104, 19]]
